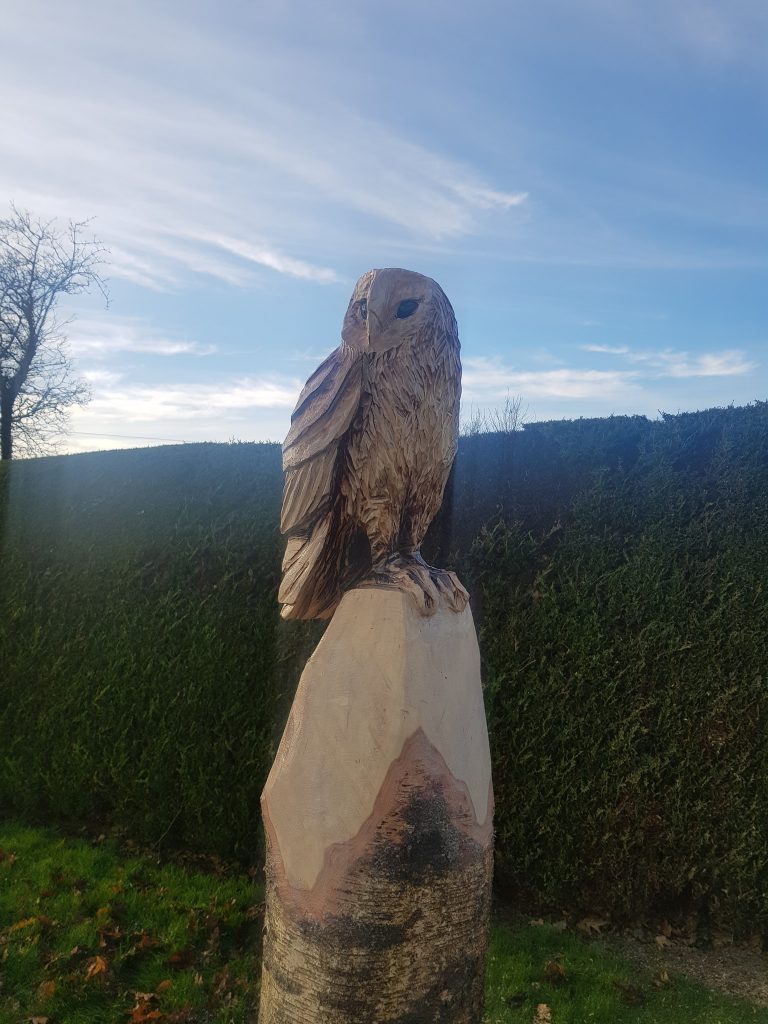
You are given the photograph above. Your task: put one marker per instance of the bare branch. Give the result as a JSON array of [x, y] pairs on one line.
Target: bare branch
[[506, 419], [40, 262]]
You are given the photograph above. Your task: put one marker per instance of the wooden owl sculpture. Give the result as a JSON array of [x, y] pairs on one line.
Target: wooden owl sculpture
[[372, 440]]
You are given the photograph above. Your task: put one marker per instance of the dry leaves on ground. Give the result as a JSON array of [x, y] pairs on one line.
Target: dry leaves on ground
[[96, 965], [144, 1011], [631, 994], [554, 973], [45, 990], [22, 924], [542, 1015], [591, 925]]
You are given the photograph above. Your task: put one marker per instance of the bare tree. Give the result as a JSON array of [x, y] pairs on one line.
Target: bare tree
[[507, 419], [39, 263]]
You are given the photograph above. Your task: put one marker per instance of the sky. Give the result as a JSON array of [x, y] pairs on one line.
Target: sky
[[587, 181]]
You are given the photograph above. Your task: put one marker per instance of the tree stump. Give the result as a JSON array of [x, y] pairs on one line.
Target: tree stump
[[378, 816]]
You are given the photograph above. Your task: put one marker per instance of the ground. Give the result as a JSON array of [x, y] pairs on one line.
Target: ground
[[92, 935], [739, 970]]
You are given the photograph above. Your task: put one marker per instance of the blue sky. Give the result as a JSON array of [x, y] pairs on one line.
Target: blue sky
[[587, 181]]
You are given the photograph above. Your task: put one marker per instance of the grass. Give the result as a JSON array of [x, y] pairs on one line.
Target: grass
[[90, 936], [83, 930], [580, 983]]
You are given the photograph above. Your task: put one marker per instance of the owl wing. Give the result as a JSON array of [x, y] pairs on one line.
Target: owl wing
[[323, 414]]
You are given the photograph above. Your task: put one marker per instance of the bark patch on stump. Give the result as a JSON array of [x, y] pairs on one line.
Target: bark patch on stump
[[395, 929]]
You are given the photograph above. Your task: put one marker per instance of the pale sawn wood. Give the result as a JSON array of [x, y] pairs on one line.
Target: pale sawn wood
[[378, 817]]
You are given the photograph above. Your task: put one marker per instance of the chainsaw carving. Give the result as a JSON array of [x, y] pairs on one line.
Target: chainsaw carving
[[371, 444], [378, 810]]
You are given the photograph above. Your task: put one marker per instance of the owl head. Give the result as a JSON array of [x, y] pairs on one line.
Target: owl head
[[393, 307]]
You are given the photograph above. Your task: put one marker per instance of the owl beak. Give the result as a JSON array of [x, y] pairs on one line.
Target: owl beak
[[376, 304]]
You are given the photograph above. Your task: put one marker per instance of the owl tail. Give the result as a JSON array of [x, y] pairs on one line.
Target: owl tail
[[310, 585]]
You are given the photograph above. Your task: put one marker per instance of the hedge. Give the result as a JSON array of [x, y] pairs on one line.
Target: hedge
[[618, 570]]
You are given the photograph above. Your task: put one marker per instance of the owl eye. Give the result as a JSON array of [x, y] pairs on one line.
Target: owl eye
[[406, 308], [363, 306]]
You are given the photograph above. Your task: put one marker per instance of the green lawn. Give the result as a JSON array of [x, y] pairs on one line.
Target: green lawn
[[88, 936]]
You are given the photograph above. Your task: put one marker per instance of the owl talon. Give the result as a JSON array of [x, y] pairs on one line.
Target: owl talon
[[452, 591], [429, 587]]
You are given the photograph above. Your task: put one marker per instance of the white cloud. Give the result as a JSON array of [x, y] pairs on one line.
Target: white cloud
[[486, 379], [488, 198], [101, 377], [670, 363], [728, 363], [614, 350], [105, 337], [274, 260], [190, 170], [123, 414], [137, 403]]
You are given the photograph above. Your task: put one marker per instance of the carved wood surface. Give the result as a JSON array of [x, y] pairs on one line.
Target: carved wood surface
[[378, 817], [378, 811], [371, 444]]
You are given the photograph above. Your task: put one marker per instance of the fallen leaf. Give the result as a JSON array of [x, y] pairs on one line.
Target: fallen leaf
[[96, 965], [6, 857], [198, 978], [721, 938], [536, 922], [662, 941], [662, 978], [591, 925], [165, 985], [22, 924], [222, 983], [181, 958], [665, 928], [212, 945], [181, 1016], [39, 1020], [146, 941], [542, 1015], [108, 935], [144, 1012], [102, 912], [631, 994], [45, 990], [554, 973]]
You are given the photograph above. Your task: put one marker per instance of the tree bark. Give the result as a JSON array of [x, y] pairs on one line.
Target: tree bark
[[6, 422], [378, 817]]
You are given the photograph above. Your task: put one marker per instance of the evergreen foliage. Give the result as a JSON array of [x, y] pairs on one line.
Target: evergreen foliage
[[618, 569]]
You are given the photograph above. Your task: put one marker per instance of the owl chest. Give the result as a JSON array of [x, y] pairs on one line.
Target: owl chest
[[403, 398], [400, 437]]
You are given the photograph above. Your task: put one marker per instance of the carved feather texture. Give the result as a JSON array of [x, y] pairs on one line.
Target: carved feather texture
[[372, 439]]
